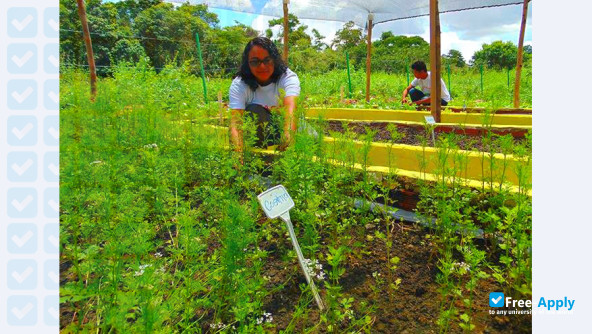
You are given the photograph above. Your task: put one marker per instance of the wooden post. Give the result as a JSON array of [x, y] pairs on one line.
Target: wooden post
[[369, 55], [519, 60], [221, 108], [286, 30], [89, 51], [436, 87], [341, 94]]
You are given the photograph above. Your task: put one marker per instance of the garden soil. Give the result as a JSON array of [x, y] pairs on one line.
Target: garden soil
[[413, 308]]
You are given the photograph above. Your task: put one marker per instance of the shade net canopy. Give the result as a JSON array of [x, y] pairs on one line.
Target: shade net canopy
[[349, 10]]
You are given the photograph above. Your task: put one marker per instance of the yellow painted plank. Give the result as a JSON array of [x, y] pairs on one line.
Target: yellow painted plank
[[415, 116], [419, 162], [494, 126], [467, 164]]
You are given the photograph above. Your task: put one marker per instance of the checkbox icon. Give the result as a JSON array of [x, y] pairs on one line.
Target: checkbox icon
[[22, 58], [21, 130], [51, 275], [51, 58], [22, 166], [51, 305], [22, 22], [51, 200], [22, 94], [496, 299], [22, 274], [22, 202], [51, 163], [51, 241], [21, 238], [21, 310], [51, 22], [51, 131], [51, 96]]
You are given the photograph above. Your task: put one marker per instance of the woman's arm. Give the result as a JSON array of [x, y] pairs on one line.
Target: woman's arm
[[236, 129], [290, 124]]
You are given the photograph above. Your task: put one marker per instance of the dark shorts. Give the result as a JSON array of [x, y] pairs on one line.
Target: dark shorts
[[417, 95], [267, 125]]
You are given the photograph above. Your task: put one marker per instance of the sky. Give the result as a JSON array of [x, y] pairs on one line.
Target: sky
[[465, 31]]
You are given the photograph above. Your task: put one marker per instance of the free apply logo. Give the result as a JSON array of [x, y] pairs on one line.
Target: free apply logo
[[498, 299]]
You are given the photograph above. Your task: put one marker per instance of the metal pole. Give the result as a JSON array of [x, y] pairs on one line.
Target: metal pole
[[508, 78], [313, 287], [407, 71], [369, 55], [481, 70], [449, 85], [203, 75], [348, 74]]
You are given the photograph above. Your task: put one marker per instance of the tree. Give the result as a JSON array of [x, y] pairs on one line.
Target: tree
[[496, 55], [453, 58], [347, 37], [393, 53], [169, 33], [297, 36], [318, 43]]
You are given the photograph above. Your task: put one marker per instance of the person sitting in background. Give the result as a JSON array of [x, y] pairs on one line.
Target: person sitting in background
[[423, 79], [256, 89]]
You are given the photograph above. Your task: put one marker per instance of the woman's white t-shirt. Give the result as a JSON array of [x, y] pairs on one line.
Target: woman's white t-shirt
[[241, 94]]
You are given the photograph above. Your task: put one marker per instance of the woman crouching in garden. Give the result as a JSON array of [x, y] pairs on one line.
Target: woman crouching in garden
[[256, 90]]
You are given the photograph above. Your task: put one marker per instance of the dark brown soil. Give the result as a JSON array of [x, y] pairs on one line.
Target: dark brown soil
[[413, 308], [410, 135]]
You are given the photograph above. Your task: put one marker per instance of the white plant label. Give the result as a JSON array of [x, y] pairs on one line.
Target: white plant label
[[430, 119], [275, 201]]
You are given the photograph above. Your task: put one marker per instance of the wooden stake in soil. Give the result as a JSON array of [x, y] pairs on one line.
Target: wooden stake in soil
[[519, 60], [436, 89], [341, 94], [89, 51], [369, 55], [286, 31]]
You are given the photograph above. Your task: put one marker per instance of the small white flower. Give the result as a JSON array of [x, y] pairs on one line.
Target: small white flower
[[158, 254], [141, 271]]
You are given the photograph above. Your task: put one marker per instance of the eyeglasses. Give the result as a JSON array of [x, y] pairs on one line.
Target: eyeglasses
[[256, 62]]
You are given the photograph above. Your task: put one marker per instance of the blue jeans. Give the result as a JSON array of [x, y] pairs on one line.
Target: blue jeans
[[417, 95]]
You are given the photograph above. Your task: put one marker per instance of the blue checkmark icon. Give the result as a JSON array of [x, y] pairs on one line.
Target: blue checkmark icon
[[496, 299]]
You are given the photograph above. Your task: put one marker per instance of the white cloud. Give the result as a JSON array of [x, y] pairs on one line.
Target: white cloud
[[238, 5]]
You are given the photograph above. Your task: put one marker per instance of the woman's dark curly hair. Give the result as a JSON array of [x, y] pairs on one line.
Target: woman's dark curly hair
[[279, 67]]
